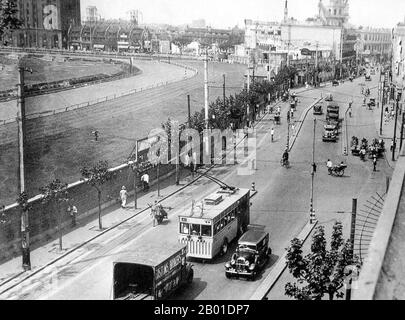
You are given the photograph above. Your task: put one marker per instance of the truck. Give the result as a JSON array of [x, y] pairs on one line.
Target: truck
[[332, 113], [152, 272]]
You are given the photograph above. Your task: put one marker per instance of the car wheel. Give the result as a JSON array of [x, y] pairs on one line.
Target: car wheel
[[224, 247], [228, 275], [269, 252]]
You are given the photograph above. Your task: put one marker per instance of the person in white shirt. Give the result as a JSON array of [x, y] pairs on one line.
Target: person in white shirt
[[123, 196], [329, 165], [272, 134], [145, 181]]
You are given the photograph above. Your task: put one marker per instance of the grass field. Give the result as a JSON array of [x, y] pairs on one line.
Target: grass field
[[48, 71], [120, 123]]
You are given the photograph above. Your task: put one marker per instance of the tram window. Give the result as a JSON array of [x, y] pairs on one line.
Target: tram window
[[184, 228], [195, 229], [206, 231]]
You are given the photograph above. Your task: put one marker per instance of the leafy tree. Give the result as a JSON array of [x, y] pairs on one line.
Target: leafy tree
[[181, 42], [8, 17], [56, 195], [96, 176], [321, 271]]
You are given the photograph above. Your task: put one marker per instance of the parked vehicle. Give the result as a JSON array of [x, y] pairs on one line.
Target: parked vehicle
[[335, 83], [372, 102], [152, 272], [251, 255], [329, 97], [367, 77]]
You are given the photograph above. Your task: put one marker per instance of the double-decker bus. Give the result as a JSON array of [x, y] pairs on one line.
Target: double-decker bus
[[213, 223]]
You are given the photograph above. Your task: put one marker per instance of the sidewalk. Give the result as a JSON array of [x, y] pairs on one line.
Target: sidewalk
[[87, 227], [388, 132]]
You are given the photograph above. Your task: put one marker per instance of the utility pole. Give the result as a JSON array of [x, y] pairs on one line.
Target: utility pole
[[395, 127], [352, 236], [224, 90], [341, 54], [381, 101], [316, 65], [402, 131], [189, 110], [206, 100], [21, 121], [311, 208], [248, 77]]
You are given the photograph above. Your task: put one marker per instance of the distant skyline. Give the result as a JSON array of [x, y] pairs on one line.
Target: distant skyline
[[228, 13]]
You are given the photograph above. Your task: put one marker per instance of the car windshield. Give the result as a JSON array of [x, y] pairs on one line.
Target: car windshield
[[247, 247]]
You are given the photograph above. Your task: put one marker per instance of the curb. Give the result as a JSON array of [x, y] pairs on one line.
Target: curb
[[301, 122], [279, 268]]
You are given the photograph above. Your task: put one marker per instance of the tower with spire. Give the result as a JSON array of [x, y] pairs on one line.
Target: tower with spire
[[286, 11]]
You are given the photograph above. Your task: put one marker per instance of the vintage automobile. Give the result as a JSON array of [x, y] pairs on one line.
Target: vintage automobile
[[329, 97], [368, 78], [318, 109], [251, 255], [330, 133], [335, 83], [372, 102]]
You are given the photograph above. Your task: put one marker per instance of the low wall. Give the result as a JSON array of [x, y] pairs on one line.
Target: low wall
[[43, 218]]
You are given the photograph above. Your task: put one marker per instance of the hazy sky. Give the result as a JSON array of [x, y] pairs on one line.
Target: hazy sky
[[228, 13]]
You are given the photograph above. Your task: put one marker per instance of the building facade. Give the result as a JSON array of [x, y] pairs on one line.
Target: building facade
[[45, 23], [398, 59], [374, 44]]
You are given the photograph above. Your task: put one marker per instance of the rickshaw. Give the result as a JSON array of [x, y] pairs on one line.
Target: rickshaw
[[160, 213], [355, 146]]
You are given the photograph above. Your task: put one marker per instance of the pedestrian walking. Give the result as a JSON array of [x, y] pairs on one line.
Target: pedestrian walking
[[329, 165], [374, 163], [292, 113], [288, 116], [293, 128], [272, 134], [392, 145], [145, 181], [153, 212], [123, 196], [72, 211]]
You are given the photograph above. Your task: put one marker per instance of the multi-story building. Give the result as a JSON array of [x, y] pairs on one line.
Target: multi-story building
[[45, 23], [374, 44], [261, 33], [398, 59]]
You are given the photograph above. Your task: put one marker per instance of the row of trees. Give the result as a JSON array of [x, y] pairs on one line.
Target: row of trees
[[56, 195], [8, 18], [236, 109]]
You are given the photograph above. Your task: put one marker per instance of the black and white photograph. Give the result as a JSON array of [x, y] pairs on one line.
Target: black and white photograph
[[202, 155]]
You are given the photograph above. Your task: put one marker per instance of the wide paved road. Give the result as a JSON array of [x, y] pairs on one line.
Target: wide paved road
[[58, 146], [282, 204]]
